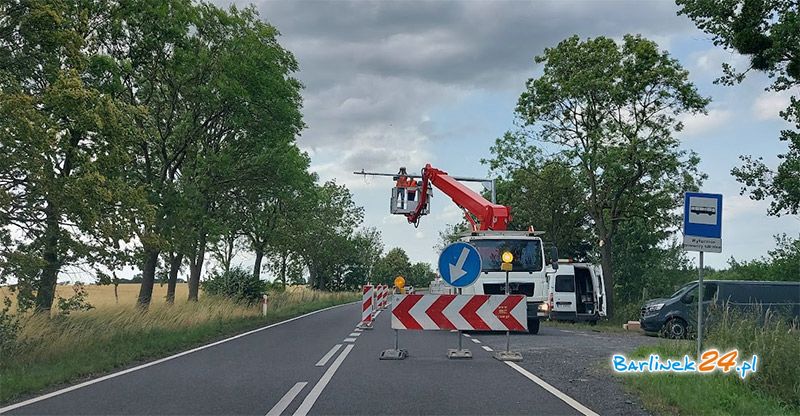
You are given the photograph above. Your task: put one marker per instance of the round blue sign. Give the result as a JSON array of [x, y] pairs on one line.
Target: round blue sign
[[460, 264]]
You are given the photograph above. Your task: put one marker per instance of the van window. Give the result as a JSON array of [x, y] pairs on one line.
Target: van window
[[565, 283], [709, 290]]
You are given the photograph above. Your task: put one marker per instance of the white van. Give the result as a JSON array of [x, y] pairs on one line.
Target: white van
[[576, 292]]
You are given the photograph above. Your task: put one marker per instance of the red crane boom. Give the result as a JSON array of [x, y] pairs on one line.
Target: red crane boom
[[481, 213]]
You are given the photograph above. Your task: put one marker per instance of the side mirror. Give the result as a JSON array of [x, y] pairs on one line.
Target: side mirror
[[554, 257]]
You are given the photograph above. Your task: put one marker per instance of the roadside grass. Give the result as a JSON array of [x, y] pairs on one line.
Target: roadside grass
[[53, 351], [773, 389], [102, 296]]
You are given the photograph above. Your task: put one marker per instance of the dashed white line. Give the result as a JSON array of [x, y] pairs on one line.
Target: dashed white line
[[554, 391], [467, 335], [354, 334], [349, 340], [358, 330], [475, 341], [376, 315], [324, 360], [287, 398], [313, 395], [487, 348]]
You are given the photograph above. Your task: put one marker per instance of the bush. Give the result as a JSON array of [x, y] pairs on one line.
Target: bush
[[9, 329], [237, 284]]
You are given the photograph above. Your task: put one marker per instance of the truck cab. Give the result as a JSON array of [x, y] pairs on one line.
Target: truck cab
[[527, 276], [576, 292]]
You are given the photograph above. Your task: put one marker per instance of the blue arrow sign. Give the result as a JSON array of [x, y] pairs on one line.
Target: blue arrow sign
[[460, 264]]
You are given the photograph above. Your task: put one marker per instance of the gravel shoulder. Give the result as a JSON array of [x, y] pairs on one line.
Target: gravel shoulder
[[578, 362]]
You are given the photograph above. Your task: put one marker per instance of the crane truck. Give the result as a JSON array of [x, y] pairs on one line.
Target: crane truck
[[488, 221]]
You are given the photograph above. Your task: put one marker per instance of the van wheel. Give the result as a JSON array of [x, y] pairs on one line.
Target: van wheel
[[533, 326], [675, 328]]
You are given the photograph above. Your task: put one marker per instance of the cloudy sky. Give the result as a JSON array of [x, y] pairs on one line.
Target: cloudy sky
[[405, 83]]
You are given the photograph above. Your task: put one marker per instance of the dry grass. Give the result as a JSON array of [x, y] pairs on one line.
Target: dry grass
[[101, 296], [62, 348]]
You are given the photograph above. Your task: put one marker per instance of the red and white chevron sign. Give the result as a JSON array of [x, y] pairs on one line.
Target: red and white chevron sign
[[463, 312]]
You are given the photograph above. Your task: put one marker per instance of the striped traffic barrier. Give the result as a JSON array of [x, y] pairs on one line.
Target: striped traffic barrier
[[367, 303], [460, 312]]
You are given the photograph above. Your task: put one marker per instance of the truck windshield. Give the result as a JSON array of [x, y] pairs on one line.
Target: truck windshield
[[527, 254]]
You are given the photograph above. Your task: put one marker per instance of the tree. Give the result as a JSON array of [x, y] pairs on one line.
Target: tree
[[545, 194], [394, 263], [63, 145], [768, 32], [420, 275], [451, 234], [610, 110]]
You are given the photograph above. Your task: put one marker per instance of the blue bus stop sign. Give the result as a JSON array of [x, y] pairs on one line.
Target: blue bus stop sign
[[702, 222], [460, 264]]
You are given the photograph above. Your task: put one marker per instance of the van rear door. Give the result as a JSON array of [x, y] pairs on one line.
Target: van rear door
[[564, 294], [600, 289]]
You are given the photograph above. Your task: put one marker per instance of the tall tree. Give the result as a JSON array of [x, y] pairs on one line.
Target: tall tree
[[63, 143], [545, 194], [768, 32], [394, 263], [610, 110]]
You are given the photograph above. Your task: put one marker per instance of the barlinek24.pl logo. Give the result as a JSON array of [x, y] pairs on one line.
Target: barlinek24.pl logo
[[710, 361]]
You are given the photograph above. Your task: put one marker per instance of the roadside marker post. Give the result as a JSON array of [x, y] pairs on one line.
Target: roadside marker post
[[366, 307], [264, 303], [702, 231]]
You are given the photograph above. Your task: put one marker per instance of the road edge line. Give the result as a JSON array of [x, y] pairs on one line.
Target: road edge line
[[554, 391], [159, 361]]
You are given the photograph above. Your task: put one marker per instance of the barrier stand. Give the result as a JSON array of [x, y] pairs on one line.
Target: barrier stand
[[366, 307], [460, 353], [507, 355], [396, 353]]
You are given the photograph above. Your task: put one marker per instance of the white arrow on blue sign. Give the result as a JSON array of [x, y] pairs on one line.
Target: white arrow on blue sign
[[460, 264]]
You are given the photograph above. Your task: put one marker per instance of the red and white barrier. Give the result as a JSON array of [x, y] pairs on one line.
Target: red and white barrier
[[462, 312], [384, 291], [367, 305]]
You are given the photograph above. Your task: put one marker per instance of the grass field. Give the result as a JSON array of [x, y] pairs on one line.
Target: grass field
[[62, 349], [103, 296]]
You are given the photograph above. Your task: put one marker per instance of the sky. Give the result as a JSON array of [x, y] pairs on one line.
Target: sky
[[390, 84], [405, 83]]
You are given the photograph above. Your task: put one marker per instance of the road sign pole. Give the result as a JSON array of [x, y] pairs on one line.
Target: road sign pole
[[700, 307], [460, 352], [508, 333]]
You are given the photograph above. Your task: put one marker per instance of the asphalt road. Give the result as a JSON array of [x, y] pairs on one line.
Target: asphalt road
[[320, 364]]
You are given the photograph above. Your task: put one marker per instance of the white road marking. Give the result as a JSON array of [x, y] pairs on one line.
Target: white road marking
[[313, 395], [554, 391], [467, 335], [354, 334], [159, 361], [358, 330], [376, 315], [475, 341], [349, 340], [487, 348], [287, 398], [324, 360]]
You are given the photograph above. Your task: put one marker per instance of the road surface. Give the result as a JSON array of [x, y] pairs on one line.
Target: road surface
[[321, 364]]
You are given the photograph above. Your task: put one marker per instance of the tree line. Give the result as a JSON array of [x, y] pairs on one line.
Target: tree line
[[154, 133]]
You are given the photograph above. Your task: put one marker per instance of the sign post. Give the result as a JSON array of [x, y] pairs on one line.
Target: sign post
[[702, 231], [396, 353], [507, 355], [460, 266]]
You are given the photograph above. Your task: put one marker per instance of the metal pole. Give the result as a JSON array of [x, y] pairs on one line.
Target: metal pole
[[459, 331], [397, 339], [508, 333], [494, 194], [700, 307]]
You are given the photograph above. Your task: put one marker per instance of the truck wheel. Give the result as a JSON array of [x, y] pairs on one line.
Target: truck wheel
[[675, 328], [533, 326]]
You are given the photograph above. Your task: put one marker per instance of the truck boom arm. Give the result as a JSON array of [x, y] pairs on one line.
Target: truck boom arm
[[487, 215]]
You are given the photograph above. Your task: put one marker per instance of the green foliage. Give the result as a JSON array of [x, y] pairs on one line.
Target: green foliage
[[609, 112], [420, 275], [76, 302], [394, 263], [9, 329], [451, 234], [781, 264], [768, 31], [236, 284]]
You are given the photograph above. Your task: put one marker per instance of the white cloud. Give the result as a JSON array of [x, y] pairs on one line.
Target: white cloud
[[697, 124], [769, 104]]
